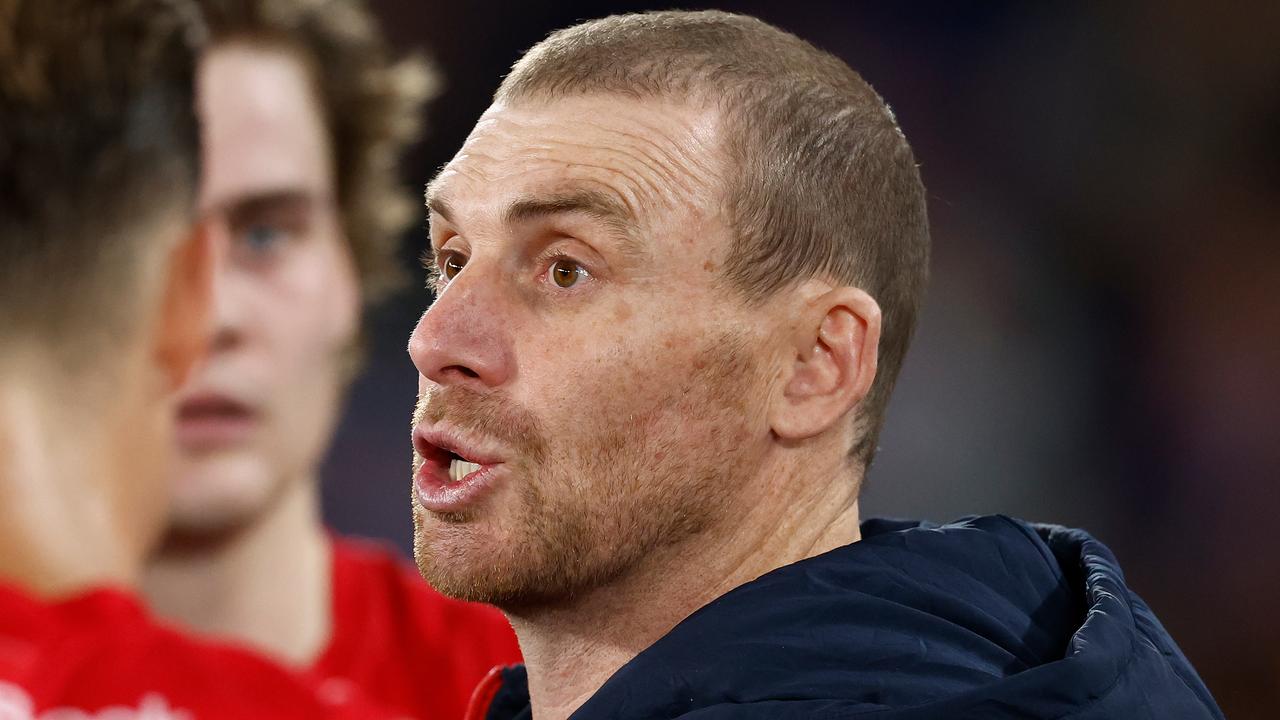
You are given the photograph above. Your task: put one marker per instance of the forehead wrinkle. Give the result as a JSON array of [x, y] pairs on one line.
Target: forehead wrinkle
[[684, 175], [649, 159], [437, 197], [644, 165], [601, 205], [616, 204]]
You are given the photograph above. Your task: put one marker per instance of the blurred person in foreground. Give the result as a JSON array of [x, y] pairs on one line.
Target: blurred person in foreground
[[305, 113], [105, 293], [679, 260]]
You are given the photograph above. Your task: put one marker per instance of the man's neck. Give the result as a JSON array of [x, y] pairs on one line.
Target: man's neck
[[571, 650], [57, 526], [267, 585]]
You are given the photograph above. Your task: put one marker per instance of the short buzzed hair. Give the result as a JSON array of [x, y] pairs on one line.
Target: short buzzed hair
[[823, 182], [98, 144]]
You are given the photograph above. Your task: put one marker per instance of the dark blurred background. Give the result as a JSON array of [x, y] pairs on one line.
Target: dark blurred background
[[1100, 343]]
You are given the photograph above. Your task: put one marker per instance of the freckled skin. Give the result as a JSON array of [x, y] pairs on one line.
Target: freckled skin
[[633, 401]]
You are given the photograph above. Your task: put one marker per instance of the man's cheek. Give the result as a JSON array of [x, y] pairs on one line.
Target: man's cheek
[[610, 382], [621, 395]]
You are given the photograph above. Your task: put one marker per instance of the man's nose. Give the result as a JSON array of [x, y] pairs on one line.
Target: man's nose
[[463, 337], [230, 309]]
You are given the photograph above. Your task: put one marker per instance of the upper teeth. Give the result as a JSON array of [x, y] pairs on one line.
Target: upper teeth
[[459, 469]]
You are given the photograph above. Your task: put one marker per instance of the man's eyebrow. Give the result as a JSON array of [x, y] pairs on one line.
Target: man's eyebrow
[[251, 204], [587, 202], [594, 204], [616, 215], [436, 203]]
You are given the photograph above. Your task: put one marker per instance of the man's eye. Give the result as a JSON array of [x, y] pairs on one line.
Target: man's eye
[[260, 238], [566, 273], [451, 265]]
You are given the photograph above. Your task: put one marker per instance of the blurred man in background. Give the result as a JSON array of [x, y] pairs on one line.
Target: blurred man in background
[[305, 115], [105, 295], [679, 262]]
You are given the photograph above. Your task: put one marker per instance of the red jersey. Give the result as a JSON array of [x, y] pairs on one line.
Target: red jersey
[[100, 655], [401, 644]]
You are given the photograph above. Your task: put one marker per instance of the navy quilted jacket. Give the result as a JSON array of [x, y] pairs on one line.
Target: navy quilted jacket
[[987, 617]]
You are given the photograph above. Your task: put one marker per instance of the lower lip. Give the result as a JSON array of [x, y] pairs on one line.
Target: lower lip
[[214, 432], [437, 493]]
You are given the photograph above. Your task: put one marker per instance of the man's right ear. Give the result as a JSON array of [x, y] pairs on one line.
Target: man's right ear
[[185, 328], [835, 350]]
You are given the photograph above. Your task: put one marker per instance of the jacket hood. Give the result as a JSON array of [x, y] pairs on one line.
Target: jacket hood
[[983, 618]]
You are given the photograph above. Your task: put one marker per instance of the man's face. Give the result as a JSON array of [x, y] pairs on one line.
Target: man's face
[[584, 352], [260, 413]]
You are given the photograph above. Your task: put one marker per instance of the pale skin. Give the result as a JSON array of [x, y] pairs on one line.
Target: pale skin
[[650, 246], [246, 519], [82, 487]]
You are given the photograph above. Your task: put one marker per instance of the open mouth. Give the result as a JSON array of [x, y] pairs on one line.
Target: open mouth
[[460, 467], [453, 476], [450, 463]]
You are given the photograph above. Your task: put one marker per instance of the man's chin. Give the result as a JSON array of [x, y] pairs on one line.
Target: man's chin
[[461, 557], [459, 577], [202, 531], [218, 497]]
